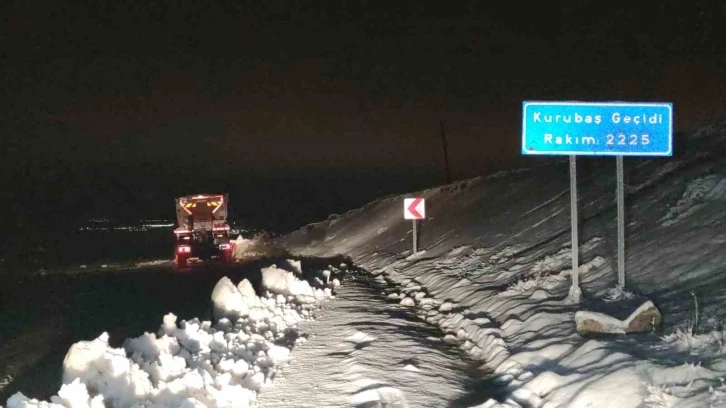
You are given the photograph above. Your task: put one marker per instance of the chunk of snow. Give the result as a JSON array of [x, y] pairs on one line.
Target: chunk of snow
[[169, 324], [451, 339], [76, 394], [360, 337], [106, 370], [228, 301], [279, 353], [407, 301], [539, 294], [283, 282], [461, 335], [296, 266], [246, 290], [385, 396]]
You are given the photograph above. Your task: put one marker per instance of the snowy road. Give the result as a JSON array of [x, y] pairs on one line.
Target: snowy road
[[42, 316], [365, 350]]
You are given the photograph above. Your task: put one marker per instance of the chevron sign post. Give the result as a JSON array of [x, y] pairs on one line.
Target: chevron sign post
[[414, 209]]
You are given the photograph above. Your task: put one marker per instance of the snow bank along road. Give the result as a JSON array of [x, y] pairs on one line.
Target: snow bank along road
[[42, 316], [495, 251], [263, 326]]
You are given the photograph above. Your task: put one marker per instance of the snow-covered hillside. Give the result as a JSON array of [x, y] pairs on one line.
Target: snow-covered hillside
[[497, 256]]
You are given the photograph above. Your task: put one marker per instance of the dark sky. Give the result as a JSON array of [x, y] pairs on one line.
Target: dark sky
[[179, 96]]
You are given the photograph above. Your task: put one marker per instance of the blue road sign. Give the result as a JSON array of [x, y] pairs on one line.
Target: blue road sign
[[597, 129]]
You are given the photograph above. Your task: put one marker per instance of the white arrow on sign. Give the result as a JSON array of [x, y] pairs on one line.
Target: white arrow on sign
[[414, 208]]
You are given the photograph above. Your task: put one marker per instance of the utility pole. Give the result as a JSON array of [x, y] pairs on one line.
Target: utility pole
[[446, 154]]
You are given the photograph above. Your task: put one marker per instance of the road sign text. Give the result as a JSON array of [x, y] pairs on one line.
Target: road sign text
[[604, 129]]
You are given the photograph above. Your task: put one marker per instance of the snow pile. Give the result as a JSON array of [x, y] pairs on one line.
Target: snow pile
[[413, 256], [285, 283], [192, 363], [241, 246], [74, 394], [706, 344], [617, 293], [147, 263]]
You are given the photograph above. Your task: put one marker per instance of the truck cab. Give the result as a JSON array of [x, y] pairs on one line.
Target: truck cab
[[202, 232]]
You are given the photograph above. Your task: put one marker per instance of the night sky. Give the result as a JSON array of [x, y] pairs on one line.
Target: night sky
[[117, 107]]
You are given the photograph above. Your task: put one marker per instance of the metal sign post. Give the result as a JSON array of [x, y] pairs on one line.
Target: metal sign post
[[415, 238], [597, 129], [621, 221], [575, 288]]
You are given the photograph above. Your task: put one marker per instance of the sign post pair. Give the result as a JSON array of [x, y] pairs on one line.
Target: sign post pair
[[414, 209], [597, 129]]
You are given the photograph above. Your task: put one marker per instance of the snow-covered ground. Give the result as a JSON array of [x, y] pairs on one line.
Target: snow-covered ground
[[497, 260], [367, 350]]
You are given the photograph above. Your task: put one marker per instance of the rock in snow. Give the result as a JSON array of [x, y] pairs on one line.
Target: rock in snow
[[593, 322], [644, 318]]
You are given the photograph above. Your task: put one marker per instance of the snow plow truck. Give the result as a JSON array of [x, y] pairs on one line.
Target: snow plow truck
[[202, 232]]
